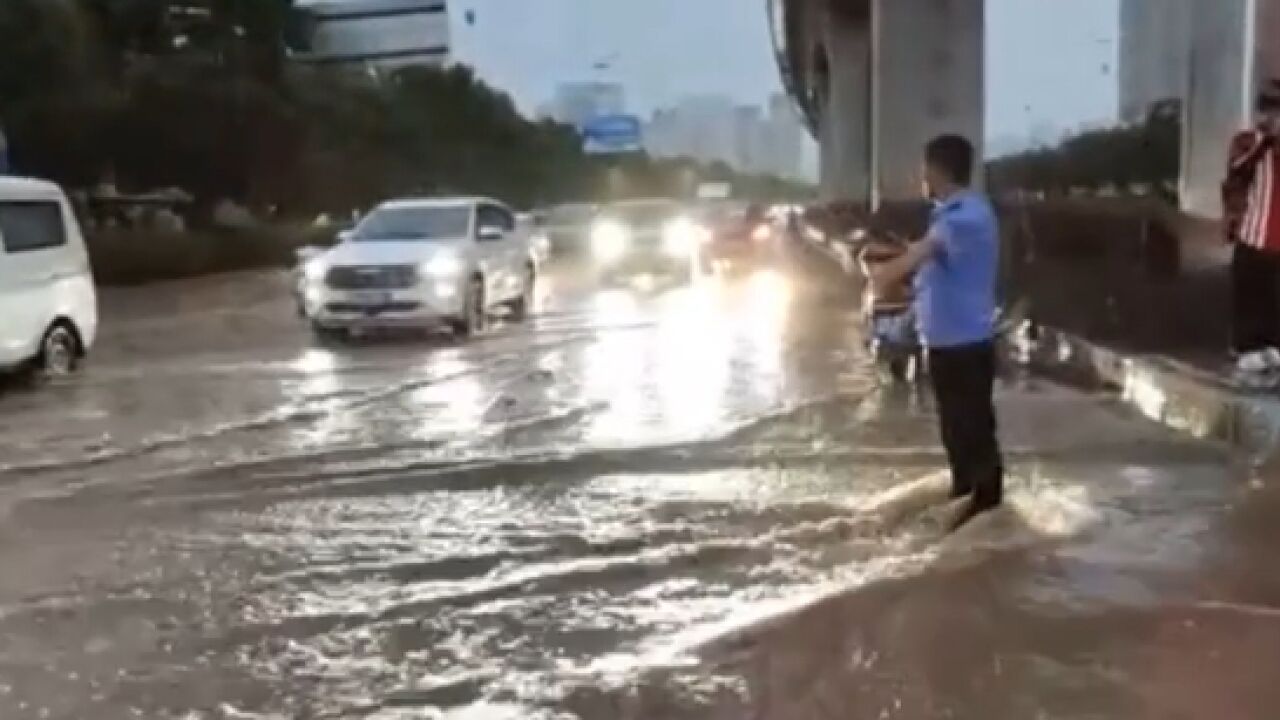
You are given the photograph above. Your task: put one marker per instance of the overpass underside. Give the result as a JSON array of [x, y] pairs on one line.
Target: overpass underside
[[877, 78]]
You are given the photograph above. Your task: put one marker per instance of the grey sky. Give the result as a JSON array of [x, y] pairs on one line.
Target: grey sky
[[663, 49], [1050, 62]]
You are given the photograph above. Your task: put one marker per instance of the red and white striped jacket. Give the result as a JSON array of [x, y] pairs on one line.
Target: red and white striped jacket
[[1251, 192]]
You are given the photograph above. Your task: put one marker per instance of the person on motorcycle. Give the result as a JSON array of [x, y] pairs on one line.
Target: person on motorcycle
[[888, 309], [740, 240], [755, 223]]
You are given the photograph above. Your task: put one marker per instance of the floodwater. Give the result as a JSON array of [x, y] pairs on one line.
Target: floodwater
[[674, 503]]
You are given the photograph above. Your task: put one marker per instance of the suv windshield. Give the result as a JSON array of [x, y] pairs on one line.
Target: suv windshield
[[421, 224]]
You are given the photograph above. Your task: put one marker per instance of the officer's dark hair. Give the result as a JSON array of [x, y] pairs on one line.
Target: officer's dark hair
[[952, 155]]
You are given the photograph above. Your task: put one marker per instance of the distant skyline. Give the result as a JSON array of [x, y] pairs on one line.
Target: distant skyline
[[1051, 65], [528, 47]]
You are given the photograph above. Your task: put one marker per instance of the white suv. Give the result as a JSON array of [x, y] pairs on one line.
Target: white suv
[[48, 306], [420, 264]]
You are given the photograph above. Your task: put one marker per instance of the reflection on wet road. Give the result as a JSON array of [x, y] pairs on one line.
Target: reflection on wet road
[[660, 505]]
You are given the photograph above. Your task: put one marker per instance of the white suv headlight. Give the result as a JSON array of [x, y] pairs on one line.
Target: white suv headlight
[[314, 271], [682, 236], [442, 267], [609, 239]]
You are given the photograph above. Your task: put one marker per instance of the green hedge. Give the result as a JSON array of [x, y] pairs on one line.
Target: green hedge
[[130, 257]]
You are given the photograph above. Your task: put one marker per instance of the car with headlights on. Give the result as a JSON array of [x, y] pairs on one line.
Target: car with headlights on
[[568, 228], [650, 237], [420, 264], [738, 237]]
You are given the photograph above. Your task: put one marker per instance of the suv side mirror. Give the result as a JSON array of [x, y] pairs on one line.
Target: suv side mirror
[[489, 233]]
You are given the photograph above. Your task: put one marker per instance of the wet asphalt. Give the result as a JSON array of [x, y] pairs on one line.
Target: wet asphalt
[[669, 502]]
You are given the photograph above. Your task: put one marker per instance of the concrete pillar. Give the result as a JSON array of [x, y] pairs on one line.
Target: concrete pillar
[[846, 124], [1220, 89], [1266, 40], [928, 66]]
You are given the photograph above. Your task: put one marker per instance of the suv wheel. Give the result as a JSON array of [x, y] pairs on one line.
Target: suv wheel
[[473, 311], [521, 306]]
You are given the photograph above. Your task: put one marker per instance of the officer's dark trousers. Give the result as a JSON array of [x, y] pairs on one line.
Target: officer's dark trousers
[[963, 378]]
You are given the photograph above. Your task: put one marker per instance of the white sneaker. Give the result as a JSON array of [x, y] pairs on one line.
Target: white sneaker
[[1253, 363]]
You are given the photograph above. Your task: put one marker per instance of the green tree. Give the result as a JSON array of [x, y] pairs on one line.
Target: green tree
[[52, 102], [1147, 154], [200, 95]]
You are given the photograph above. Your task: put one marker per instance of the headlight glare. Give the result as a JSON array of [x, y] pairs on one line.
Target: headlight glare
[[314, 271], [682, 236], [609, 239], [442, 266]]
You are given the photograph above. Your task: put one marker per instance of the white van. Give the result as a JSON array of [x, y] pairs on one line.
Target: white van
[[48, 307]]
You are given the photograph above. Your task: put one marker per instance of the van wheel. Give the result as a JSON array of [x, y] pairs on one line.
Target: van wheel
[[59, 352], [473, 311], [521, 306]]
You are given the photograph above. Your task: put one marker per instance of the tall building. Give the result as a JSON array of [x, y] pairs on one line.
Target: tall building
[[579, 102], [750, 140], [711, 124], [1155, 54], [663, 134], [786, 138], [701, 127], [711, 128], [383, 34]]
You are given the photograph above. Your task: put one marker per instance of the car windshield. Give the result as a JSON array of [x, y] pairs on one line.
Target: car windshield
[[417, 224], [644, 213]]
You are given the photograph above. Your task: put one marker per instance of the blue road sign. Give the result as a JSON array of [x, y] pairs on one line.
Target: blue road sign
[[612, 134]]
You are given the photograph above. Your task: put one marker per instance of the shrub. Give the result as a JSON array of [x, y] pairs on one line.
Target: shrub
[[130, 257]]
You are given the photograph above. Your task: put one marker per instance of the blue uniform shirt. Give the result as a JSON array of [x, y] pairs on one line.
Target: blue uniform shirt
[[956, 285]]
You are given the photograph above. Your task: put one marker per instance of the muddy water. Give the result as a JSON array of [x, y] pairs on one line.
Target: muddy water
[[643, 505]]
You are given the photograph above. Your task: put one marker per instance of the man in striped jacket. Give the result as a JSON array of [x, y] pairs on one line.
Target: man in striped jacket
[[1251, 205]]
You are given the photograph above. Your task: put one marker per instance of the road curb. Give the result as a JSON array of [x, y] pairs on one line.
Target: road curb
[[1175, 394]]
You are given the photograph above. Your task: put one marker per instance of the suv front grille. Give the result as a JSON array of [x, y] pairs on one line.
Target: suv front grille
[[372, 277]]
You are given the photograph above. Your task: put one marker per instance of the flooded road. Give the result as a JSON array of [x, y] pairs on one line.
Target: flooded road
[[672, 504]]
